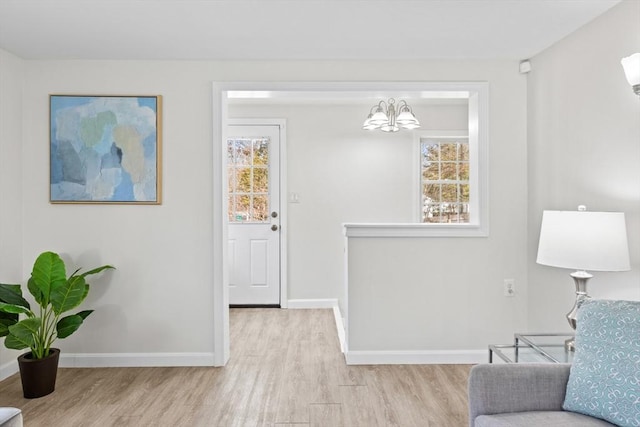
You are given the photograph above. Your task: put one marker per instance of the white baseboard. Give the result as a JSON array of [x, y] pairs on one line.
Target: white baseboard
[[419, 357], [121, 360], [9, 369], [339, 326], [312, 303]]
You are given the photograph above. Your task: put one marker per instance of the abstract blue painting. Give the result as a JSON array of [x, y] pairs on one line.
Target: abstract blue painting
[[105, 149]]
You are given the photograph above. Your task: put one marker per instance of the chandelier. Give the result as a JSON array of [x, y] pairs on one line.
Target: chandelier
[[385, 117]]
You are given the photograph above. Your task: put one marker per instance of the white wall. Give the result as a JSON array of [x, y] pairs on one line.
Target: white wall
[[435, 294], [163, 283], [343, 174], [413, 298], [578, 98], [11, 70], [584, 148]]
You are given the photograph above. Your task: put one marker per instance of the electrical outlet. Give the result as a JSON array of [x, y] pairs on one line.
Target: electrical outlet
[[509, 287]]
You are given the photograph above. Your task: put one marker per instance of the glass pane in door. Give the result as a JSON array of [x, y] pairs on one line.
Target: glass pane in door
[[248, 175]]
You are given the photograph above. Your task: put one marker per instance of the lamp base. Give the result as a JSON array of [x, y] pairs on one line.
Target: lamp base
[[570, 344], [580, 279]]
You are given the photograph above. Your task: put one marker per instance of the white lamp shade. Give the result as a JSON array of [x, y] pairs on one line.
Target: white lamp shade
[[582, 240], [406, 118], [368, 125], [388, 127], [631, 65], [411, 126], [379, 118]]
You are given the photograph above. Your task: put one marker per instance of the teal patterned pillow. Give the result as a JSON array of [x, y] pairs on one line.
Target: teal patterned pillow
[[605, 376]]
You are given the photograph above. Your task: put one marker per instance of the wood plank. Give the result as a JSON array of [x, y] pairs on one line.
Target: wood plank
[[362, 406], [326, 414], [286, 369]]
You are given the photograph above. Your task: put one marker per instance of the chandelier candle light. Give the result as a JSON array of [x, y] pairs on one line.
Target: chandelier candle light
[[583, 240], [384, 116]]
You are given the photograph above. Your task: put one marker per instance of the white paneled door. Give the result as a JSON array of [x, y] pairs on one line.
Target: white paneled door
[[253, 173]]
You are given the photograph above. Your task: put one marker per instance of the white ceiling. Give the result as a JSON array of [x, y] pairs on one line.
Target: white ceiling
[[289, 29]]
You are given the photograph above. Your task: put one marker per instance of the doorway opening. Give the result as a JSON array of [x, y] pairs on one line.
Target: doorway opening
[[228, 94]]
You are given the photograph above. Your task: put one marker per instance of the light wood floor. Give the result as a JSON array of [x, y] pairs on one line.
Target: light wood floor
[[285, 369]]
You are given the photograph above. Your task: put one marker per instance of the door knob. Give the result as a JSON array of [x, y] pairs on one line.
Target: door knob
[[274, 214], [274, 227]]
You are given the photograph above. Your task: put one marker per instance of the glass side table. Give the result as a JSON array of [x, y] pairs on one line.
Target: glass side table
[[534, 348]]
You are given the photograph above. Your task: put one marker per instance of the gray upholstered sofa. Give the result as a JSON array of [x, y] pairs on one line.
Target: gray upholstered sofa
[[517, 395], [10, 417], [602, 386]]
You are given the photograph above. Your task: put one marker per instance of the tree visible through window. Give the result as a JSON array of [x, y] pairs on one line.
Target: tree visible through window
[[445, 180], [248, 175]]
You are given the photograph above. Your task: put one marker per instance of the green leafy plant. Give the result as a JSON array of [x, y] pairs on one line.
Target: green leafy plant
[[55, 294]]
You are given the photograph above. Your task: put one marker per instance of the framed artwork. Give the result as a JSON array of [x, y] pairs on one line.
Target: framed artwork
[[105, 149]]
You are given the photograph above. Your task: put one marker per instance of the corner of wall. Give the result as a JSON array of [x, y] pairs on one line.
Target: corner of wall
[[11, 84]]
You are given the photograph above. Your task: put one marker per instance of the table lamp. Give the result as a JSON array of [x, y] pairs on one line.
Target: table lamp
[[582, 240]]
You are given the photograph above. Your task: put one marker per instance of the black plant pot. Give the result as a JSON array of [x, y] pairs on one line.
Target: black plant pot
[[38, 375]]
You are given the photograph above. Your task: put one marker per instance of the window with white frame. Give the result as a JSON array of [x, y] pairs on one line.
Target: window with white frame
[[451, 176], [445, 180]]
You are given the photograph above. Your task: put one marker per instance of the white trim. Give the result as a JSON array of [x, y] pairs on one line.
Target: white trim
[[118, 360], [284, 204], [284, 218], [220, 95], [9, 369], [345, 296], [339, 326], [312, 303], [416, 357], [479, 148], [371, 89], [414, 230], [219, 239]]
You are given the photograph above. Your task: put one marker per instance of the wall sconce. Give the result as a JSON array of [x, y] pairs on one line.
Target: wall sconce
[[631, 65], [383, 116]]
